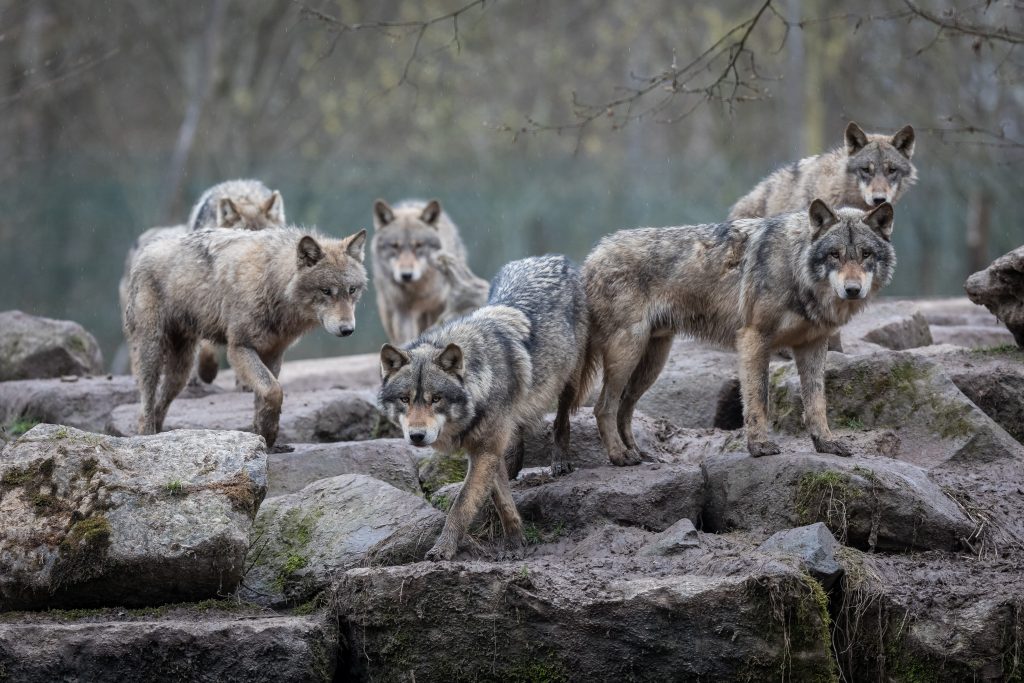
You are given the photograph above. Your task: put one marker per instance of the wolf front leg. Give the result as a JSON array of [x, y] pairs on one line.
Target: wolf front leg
[[810, 363], [754, 350], [476, 489], [252, 369]]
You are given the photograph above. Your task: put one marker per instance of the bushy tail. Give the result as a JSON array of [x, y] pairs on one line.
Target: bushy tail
[[586, 371]]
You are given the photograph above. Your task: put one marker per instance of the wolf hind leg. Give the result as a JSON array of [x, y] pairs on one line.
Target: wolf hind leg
[[561, 459], [178, 354], [147, 362], [621, 356], [645, 374], [755, 350]]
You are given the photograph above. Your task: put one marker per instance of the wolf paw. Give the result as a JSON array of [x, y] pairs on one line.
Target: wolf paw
[[626, 458], [831, 446], [281, 448], [760, 448], [440, 552]]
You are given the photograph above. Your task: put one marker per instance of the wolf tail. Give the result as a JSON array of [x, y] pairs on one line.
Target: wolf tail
[[586, 371]]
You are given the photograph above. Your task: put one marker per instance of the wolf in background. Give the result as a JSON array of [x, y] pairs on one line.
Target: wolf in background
[[236, 204], [869, 170], [256, 292], [481, 382], [790, 280], [411, 292]]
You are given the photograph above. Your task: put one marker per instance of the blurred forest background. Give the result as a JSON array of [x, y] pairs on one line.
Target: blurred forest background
[[541, 126]]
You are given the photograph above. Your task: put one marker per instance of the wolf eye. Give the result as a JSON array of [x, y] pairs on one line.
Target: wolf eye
[[394, 245], [834, 254], [417, 245], [867, 253], [326, 290], [404, 399], [435, 399], [353, 290]]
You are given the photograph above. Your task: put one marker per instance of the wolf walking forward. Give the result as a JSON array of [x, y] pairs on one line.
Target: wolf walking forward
[[411, 291], [482, 381], [257, 292], [235, 204], [786, 281], [869, 170]]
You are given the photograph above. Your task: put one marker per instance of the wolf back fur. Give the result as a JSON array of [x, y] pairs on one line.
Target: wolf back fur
[[757, 284], [239, 204], [256, 292], [411, 292], [483, 381], [868, 170]]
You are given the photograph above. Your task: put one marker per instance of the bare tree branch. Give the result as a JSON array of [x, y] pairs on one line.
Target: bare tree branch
[[954, 23]]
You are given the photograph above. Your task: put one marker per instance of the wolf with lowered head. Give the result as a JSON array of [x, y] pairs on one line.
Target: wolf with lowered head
[[482, 381], [256, 292], [757, 284]]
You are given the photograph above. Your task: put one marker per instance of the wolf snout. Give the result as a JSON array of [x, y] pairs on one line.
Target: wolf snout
[[345, 329], [852, 290], [418, 438], [879, 200], [406, 277]]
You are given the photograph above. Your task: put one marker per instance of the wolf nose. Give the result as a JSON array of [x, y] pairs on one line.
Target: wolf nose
[[406, 277], [852, 290], [345, 330], [417, 437], [878, 201]]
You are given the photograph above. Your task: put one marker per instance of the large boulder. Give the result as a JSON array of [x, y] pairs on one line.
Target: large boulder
[[390, 460], [91, 520], [886, 324], [874, 503], [306, 417], [187, 643], [86, 403], [691, 617], [1000, 288], [32, 347], [300, 542], [358, 371]]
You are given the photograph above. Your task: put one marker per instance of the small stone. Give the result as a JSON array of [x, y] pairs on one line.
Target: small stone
[[675, 539], [814, 545]]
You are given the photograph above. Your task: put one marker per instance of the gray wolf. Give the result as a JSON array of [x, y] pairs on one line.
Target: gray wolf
[[411, 292], [483, 381], [235, 204], [466, 291], [256, 292], [757, 284], [869, 170], [239, 204]]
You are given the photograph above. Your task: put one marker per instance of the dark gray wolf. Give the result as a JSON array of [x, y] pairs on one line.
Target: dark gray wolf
[[256, 292], [867, 171], [757, 284], [411, 291], [483, 381]]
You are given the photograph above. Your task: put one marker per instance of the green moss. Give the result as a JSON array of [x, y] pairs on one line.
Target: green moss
[[442, 468], [1011, 350], [174, 488], [292, 563], [442, 502], [812, 629], [77, 343], [823, 497], [21, 425], [89, 467], [849, 421], [83, 551], [34, 474], [950, 419], [543, 534]]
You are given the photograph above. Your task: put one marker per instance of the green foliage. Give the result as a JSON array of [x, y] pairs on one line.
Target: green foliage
[[174, 488], [823, 497], [21, 425]]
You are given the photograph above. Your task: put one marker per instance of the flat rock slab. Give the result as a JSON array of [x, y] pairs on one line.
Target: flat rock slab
[[390, 460], [85, 403], [306, 417], [651, 496], [206, 648], [908, 393], [33, 347], [90, 520], [558, 619], [302, 541], [873, 503], [358, 371], [1000, 288]]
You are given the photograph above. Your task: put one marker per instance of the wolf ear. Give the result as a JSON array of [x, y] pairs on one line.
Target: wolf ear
[[822, 218], [856, 139], [903, 141], [273, 208], [382, 214], [227, 213], [392, 359], [880, 220], [431, 212], [310, 252], [356, 245], [450, 359]]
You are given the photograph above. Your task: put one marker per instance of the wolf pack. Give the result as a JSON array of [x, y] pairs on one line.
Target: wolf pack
[[473, 366]]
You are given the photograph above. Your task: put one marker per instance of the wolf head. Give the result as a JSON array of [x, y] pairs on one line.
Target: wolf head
[[423, 391], [330, 280], [406, 240], [244, 214], [878, 164], [851, 249]]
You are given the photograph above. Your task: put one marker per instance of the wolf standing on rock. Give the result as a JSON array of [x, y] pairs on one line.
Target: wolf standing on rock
[[411, 291], [786, 281], [257, 292], [868, 171], [482, 381]]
